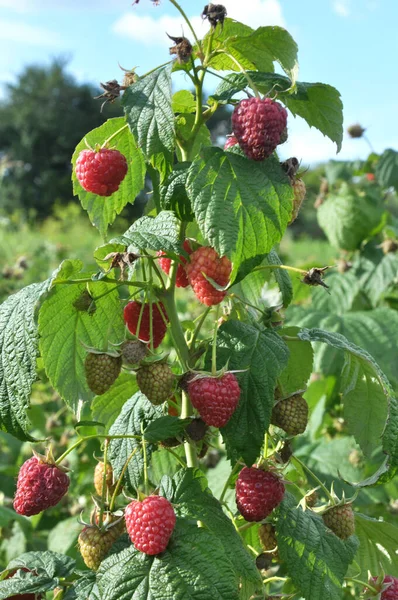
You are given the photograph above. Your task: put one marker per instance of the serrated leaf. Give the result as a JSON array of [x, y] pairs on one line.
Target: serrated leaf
[[318, 104], [242, 207], [346, 288], [85, 588], [18, 354], [173, 193], [349, 217], [63, 330], [387, 169], [22, 583], [193, 567], [165, 427], [381, 277], [378, 547], [136, 415], [105, 408], [315, 559], [222, 62], [147, 105], [193, 500], [165, 463], [267, 45], [262, 355], [359, 364], [153, 233], [103, 211], [296, 374]]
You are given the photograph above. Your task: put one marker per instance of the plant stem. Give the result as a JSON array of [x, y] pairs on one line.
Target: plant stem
[[199, 327], [119, 481], [226, 485], [139, 284], [319, 482], [286, 267], [188, 22], [245, 73], [94, 437], [155, 179], [114, 135], [104, 486], [214, 344], [146, 479], [363, 583]]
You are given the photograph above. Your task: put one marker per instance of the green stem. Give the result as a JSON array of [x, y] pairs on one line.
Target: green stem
[[319, 482], [244, 72], [114, 135], [226, 485], [94, 437], [286, 267], [214, 344], [363, 583], [246, 526], [188, 22], [156, 68], [155, 179], [144, 454], [119, 481], [140, 284], [178, 458], [199, 327], [104, 486]]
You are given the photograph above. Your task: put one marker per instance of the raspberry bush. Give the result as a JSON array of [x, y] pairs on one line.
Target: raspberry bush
[[210, 421]]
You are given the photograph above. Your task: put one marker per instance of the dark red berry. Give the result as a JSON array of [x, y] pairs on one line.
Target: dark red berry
[[258, 125], [150, 524], [391, 592], [101, 172], [40, 485], [230, 141], [215, 398], [258, 492], [132, 313], [205, 262]]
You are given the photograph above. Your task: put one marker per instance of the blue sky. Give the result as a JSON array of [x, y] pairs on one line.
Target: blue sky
[[351, 44]]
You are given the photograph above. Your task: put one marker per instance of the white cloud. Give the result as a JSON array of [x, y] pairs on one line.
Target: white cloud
[[150, 29], [17, 31], [342, 7]]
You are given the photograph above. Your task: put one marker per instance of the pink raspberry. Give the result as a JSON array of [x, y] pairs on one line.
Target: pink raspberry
[[150, 524], [206, 262], [39, 486], [258, 125], [101, 172], [391, 593], [215, 398], [258, 492], [230, 141], [165, 264]]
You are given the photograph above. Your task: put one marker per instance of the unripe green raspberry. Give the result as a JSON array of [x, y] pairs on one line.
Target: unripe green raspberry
[[156, 382], [133, 351], [101, 370], [300, 191], [291, 415], [266, 534], [341, 520]]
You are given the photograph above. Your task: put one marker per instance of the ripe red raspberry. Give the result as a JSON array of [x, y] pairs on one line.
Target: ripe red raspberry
[[165, 263], [101, 172], [370, 176], [258, 492], [150, 524], [230, 141], [206, 262], [39, 486], [258, 125], [132, 312], [391, 593], [215, 398], [341, 520]]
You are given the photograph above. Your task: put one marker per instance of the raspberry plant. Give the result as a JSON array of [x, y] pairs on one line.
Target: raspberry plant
[[211, 227]]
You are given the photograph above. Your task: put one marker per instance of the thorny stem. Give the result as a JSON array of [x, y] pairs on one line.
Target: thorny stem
[[319, 482]]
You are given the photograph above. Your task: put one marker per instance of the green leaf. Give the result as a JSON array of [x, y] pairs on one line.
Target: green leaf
[[84, 588], [147, 105], [49, 567], [267, 45], [318, 104], [153, 233], [62, 538], [359, 364], [165, 427], [282, 278], [378, 547], [382, 276], [242, 207], [346, 290], [173, 193], [387, 169], [296, 374], [105, 408], [194, 500], [194, 566], [349, 217], [183, 101], [262, 355], [18, 354], [137, 413], [231, 31], [165, 463], [63, 330], [103, 211], [316, 560]]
